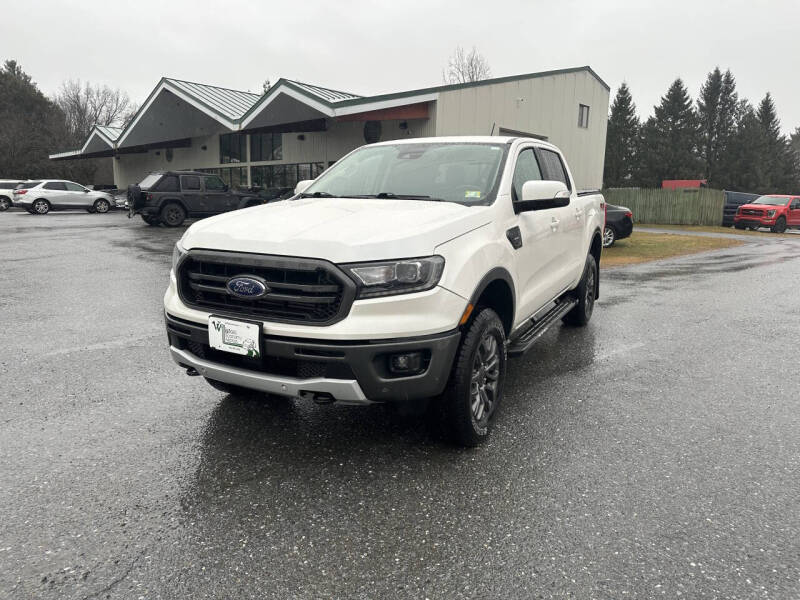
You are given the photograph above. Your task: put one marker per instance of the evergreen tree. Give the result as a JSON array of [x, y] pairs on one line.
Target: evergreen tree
[[670, 140], [621, 140], [744, 157], [778, 162], [716, 108]]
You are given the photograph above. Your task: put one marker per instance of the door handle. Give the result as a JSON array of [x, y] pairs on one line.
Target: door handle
[[577, 214], [554, 224]]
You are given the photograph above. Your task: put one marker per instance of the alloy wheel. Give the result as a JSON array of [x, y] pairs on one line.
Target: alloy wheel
[[485, 379], [4, 204], [101, 206], [590, 286], [41, 207], [608, 237]]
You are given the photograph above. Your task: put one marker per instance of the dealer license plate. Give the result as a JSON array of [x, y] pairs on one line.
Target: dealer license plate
[[236, 337]]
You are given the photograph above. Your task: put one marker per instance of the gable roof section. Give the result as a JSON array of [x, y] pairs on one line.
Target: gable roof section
[[322, 93], [224, 105]]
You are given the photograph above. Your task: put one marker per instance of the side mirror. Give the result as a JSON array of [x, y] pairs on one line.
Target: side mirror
[[302, 186], [225, 187], [85, 191], [541, 195]]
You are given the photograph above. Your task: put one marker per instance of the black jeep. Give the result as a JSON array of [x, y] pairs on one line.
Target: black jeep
[[170, 197]]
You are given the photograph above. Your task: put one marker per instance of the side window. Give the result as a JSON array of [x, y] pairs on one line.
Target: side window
[[526, 169], [168, 184], [214, 184], [553, 167], [583, 116], [190, 183], [74, 187], [55, 185], [795, 204]]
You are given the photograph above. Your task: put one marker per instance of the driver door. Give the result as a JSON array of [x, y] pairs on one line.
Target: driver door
[[217, 197], [76, 195], [192, 193], [536, 258], [794, 213]]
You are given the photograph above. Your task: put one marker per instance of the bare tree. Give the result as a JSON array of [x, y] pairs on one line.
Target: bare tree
[[85, 106], [463, 67]]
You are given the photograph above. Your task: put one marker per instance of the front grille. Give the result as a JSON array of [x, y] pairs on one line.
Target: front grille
[[307, 291], [752, 211]]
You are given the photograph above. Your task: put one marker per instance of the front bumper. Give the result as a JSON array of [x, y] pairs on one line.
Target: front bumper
[[751, 221], [352, 371]]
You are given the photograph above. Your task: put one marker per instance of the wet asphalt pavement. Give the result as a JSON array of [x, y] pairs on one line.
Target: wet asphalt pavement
[[655, 453]]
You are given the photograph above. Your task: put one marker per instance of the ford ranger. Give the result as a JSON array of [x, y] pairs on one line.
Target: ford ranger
[[410, 269]]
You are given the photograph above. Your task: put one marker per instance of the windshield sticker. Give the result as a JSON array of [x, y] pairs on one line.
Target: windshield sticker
[[472, 194]]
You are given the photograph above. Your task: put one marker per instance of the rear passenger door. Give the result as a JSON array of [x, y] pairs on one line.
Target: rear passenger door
[[217, 198], [192, 193], [568, 241], [55, 192]]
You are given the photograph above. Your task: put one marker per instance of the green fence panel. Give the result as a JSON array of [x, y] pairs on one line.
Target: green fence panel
[[693, 206]]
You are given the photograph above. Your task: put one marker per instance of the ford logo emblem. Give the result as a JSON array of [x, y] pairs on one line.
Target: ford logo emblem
[[246, 286]]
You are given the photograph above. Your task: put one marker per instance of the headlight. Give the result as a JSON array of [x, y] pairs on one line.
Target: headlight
[[770, 213], [177, 253], [388, 278]]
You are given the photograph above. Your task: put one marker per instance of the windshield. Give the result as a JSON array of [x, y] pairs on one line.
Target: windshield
[[772, 200], [451, 172], [149, 181]]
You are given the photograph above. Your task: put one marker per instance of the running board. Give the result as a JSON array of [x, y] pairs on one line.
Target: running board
[[521, 344]]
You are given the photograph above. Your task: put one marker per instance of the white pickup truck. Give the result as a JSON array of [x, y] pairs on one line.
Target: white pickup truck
[[410, 269]]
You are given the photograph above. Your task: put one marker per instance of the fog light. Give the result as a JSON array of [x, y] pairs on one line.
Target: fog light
[[406, 363]]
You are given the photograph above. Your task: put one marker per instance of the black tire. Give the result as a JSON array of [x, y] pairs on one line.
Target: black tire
[[90, 211], [5, 203], [173, 215], [475, 389], [40, 206], [152, 221], [609, 236], [739, 226], [101, 205], [585, 293], [780, 225]]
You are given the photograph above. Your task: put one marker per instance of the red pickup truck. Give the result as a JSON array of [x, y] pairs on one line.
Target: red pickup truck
[[774, 211]]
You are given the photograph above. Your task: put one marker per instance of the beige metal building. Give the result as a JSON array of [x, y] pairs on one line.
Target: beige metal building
[[296, 130]]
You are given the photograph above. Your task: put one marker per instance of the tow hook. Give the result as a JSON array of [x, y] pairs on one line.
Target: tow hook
[[323, 398], [192, 372]]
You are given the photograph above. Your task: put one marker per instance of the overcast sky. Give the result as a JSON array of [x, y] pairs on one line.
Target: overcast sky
[[376, 47]]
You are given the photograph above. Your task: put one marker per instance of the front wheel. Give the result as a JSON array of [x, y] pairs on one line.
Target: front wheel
[[609, 237], [101, 206], [586, 292], [475, 389], [780, 225]]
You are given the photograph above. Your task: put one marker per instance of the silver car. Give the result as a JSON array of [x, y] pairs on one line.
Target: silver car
[[43, 195]]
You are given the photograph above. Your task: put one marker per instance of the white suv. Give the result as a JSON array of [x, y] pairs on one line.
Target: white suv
[[41, 196], [6, 192], [409, 269]]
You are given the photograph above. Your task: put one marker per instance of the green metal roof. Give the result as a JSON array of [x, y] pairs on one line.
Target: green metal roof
[[231, 104]]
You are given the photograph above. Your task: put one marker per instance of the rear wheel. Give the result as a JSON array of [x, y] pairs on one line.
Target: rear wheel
[[5, 203], [101, 206], [609, 236], [41, 206], [780, 225], [475, 389], [173, 215], [585, 293]]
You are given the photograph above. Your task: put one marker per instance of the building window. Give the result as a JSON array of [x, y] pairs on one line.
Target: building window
[[284, 176], [235, 177], [266, 146], [583, 116], [232, 148]]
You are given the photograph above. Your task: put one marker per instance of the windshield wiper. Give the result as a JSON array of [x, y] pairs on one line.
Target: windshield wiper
[[318, 195], [393, 196]]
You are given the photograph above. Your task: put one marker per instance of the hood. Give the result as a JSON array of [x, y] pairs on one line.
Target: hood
[[338, 229], [763, 206]]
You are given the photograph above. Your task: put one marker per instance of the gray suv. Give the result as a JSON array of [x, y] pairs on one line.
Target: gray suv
[[170, 197]]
